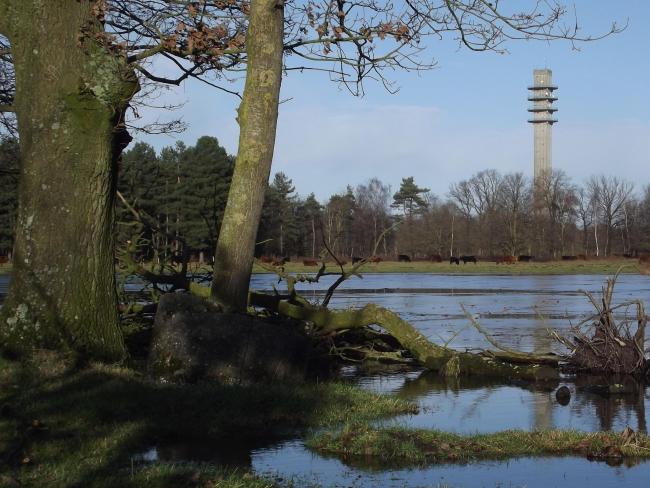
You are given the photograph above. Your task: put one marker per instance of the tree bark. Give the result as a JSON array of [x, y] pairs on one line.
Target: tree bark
[[437, 358], [71, 94], [258, 114]]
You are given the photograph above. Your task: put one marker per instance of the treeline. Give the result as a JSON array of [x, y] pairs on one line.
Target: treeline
[[489, 214], [173, 201]]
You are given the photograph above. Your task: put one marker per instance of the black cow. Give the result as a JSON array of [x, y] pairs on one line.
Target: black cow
[[468, 259], [525, 258], [453, 260], [403, 258]]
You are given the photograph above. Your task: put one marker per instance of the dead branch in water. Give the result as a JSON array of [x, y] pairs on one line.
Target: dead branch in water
[[601, 344]]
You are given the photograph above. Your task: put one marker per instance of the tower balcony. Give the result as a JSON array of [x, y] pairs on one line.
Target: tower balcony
[[549, 109], [545, 120], [543, 87], [542, 98]]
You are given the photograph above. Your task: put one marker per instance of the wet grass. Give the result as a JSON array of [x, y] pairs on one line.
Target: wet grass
[[62, 425], [397, 446], [533, 268]]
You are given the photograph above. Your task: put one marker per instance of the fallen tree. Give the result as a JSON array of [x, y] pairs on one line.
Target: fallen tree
[[328, 323], [449, 362]]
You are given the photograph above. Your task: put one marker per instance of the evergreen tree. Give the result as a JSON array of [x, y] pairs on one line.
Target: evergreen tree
[[279, 226], [206, 171], [310, 215], [139, 184], [408, 197], [8, 193]]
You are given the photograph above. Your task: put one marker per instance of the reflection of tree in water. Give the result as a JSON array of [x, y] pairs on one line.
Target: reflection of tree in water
[[607, 408], [584, 402]]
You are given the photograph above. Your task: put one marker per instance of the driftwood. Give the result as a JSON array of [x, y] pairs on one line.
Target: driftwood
[[600, 344]]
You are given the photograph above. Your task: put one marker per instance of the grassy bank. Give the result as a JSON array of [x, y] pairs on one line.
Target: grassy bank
[[413, 447], [65, 426], [548, 268], [605, 266]]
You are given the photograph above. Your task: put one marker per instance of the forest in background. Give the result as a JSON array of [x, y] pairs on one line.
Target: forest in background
[[180, 194]]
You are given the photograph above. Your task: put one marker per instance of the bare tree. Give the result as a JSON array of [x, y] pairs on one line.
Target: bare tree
[[584, 214], [373, 201], [514, 199], [555, 202], [463, 199], [610, 195]]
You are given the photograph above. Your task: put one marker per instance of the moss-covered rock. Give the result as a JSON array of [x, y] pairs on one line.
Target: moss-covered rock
[[193, 340]]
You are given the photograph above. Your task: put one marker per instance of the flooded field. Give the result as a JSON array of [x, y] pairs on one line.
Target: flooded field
[[517, 310]]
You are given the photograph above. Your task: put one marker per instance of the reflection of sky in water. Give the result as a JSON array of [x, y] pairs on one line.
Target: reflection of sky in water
[[292, 460], [507, 306]]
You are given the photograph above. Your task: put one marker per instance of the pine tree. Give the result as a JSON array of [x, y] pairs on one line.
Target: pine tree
[[408, 197], [8, 193]]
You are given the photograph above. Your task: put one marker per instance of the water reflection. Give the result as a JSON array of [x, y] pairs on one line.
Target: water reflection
[[468, 405]]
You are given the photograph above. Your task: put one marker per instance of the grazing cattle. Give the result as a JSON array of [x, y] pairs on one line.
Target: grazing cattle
[[356, 259], [436, 258], [4, 259], [278, 262], [266, 259], [644, 259], [507, 260], [309, 262], [524, 258], [468, 259], [403, 258], [375, 259], [582, 257], [569, 258], [453, 260], [343, 262]]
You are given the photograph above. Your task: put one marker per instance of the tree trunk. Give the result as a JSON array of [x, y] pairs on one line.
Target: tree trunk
[[313, 238], [258, 115], [71, 94], [431, 356]]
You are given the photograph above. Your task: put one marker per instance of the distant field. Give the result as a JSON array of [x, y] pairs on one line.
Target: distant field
[[553, 267], [604, 266]]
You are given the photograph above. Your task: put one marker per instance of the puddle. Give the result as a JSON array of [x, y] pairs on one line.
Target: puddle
[[465, 406]]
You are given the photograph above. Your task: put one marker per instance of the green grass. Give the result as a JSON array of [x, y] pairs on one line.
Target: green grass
[[412, 447], [548, 268], [604, 266], [65, 426]]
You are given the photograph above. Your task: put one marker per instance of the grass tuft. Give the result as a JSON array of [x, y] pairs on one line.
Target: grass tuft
[[65, 426], [404, 447]]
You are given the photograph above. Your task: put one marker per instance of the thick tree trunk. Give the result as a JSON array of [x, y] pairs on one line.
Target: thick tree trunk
[[258, 116], [70, 99]]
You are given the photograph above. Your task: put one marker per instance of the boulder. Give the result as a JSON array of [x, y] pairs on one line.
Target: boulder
[[192, 340]]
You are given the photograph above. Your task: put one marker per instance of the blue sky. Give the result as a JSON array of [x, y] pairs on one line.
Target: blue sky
[[466, 115]]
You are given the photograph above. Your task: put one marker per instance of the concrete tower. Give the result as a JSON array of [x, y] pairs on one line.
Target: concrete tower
[[542, 110]]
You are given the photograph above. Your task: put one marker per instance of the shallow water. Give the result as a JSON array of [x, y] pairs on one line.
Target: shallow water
[[464, 407], [515, 309], [508, 306]]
